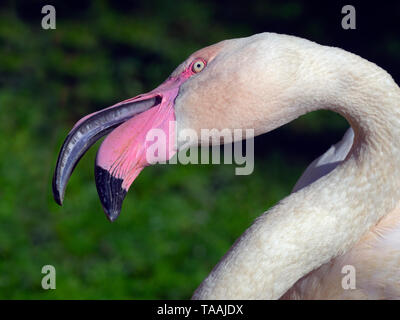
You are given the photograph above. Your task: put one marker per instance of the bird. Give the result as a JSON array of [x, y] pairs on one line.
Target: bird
[[343, 211]]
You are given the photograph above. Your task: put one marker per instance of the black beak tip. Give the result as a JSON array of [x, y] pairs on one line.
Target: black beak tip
[[111, 192], [111, 215], [57, 195], [58, 199]]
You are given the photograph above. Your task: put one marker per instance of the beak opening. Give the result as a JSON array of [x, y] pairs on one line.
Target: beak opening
[[84, 134]]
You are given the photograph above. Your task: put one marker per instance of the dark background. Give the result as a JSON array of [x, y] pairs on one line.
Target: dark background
[[177, 221]]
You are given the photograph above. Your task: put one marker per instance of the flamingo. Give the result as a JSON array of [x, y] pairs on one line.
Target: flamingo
[[344, 210]]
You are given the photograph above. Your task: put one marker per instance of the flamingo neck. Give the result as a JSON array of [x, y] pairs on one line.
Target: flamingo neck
[[323, 220]]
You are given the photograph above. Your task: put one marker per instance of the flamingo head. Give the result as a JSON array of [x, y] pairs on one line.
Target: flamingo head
[[220, 86], [123, 153]]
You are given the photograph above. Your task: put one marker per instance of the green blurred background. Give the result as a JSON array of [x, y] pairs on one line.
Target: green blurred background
[[177, 221]]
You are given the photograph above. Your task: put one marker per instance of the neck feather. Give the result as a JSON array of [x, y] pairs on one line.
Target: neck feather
[[325, 219]]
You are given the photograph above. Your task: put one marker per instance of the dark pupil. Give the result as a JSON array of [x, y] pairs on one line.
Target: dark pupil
[[198, 65]]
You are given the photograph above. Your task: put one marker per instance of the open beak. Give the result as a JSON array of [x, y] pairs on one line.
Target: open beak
[[123, 154]]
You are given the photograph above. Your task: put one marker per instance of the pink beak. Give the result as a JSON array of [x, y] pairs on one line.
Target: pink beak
[[123, 154]]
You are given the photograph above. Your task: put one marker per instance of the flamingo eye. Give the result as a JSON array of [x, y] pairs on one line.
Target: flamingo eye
[[198, 65]]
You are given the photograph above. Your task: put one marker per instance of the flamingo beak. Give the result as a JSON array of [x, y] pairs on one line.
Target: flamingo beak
[[123, 154]]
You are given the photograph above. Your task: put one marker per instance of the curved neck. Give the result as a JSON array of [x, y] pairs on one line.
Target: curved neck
[[326, 218]]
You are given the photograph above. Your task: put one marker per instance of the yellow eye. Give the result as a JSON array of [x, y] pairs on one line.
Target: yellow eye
[[198, 65]]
